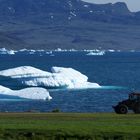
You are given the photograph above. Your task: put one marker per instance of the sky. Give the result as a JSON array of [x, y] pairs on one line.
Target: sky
[[133, 5]]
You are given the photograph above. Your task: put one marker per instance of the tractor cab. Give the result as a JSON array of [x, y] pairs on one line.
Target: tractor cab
[[134, 96]]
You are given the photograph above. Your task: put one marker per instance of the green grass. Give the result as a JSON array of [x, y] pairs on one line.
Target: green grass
[[69, 125]]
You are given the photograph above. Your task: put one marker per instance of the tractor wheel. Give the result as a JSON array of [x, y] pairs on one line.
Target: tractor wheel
[[122, 109], [116, 109]]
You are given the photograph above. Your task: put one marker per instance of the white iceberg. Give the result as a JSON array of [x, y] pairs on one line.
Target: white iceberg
[[111, 50], [59, 77], [5, 51], [96, 53], [72, 79], [24, 71], [28, 93]]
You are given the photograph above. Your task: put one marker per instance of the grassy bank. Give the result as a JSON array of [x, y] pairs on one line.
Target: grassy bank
[[69, 126]]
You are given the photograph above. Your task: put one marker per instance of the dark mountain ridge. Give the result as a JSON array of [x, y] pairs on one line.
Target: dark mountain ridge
[[67, 10], [51, 24]]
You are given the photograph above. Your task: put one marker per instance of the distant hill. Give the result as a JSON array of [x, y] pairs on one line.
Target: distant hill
[[66, 24], [67, 10]]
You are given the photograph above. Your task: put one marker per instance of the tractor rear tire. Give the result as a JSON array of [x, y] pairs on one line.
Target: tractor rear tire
[[122, 109]]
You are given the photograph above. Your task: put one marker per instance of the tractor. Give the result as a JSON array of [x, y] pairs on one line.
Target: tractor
[[132, 103]]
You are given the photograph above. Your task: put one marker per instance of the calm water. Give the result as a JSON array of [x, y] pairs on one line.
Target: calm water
[[112, 69]]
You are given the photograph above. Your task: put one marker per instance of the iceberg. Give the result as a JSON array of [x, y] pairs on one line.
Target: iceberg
[[5, 51], [28, 93], [59, 78], [65, 50], [24, 71], [111, 50], [73, 79], [96, 53]]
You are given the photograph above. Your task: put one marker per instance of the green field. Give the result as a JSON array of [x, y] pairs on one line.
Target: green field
[[45, 126]]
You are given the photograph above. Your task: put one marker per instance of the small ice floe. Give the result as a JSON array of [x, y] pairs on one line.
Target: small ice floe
[[111, 50], [27, 93], [65, 50], [32, 51], [59, 77], [5, 51], [86, 6], [26, 51], [49, 52], [96, 53]]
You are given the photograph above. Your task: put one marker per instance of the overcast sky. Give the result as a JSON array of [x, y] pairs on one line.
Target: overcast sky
[[133, 5]]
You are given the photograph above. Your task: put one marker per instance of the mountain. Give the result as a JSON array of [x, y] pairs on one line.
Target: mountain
[[66, 24], [65, 10]]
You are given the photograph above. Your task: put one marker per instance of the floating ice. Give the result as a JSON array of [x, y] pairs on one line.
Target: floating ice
[[28, 93], [96, 53], [5, 51], [24, 71], [59, 78], [111, 50], [4, 90]]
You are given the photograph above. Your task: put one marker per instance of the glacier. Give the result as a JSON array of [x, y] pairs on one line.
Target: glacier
[[27, 93], [59, 77]]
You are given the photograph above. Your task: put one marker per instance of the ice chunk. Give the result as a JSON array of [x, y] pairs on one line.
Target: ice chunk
[[4, 89], [28, 93], [5, 51], [24, 71], [59, 78], [96, 52], [72, 78]]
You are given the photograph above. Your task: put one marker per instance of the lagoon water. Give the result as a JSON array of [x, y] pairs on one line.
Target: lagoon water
[[117, 72]]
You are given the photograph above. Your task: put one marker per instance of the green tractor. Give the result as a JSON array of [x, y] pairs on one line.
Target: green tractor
[[132, 103]]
